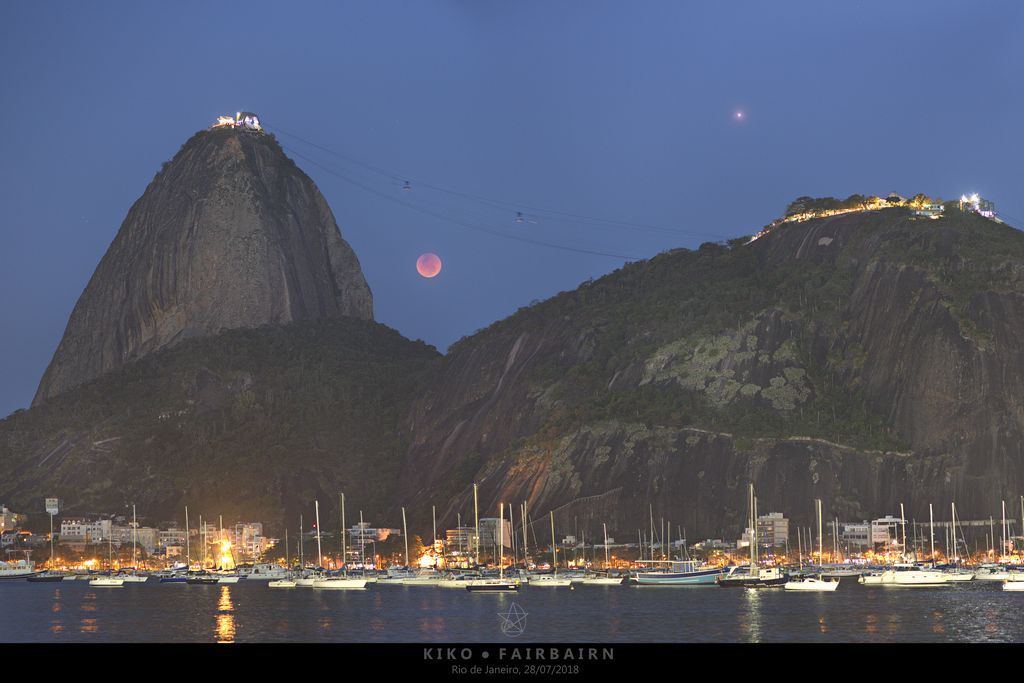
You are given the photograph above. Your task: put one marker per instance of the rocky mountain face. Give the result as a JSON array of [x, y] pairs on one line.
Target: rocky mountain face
[[230, 234], [248, 424], [867, 359]]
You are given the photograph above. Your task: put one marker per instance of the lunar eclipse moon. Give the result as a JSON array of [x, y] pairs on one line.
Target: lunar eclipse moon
[[428, 265]]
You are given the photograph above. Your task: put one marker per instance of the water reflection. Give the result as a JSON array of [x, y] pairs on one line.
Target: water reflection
[[752, 598], [89, 626], [225, 617], [871, 623], [56, 626]]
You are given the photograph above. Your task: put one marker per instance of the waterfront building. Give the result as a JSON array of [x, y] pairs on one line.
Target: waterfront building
[[79, 530], [490, 533], [461, 541], [773, 529]]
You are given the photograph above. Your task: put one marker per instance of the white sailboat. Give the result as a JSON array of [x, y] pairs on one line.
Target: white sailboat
[[132, 575], [499, 585], [552, 580], [108, 581], [814, 583]]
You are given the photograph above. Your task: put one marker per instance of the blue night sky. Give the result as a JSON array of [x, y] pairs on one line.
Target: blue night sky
[[617, 119]]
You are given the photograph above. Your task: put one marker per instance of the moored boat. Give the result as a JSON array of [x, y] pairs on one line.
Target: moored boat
[[17, 570], [680, 573], [106, 582], [338, 583], [812, 583]]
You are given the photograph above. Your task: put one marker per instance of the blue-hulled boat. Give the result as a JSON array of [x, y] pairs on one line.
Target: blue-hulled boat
[[681, 573]]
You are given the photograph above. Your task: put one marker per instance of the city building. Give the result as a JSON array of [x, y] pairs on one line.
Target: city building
[[491, 533], [978, 205], [79, 530], [461, 540], [9, 520]]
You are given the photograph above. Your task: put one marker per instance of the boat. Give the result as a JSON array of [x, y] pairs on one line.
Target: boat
[[552, 580], [600, 580], [908, 575], [499, 585], [338, 583], [106, 582], [281, 583], [492, 586], [761, 577], [227, 579], [47, 577], [201, 578], [992, 572], [266, 571], [1013, 585], [680, 573], [549, 580], [813, 583], [17, 570], [753, 575], [132, 577]]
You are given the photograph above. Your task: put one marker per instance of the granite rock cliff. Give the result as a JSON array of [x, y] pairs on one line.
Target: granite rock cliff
[[229, 234]]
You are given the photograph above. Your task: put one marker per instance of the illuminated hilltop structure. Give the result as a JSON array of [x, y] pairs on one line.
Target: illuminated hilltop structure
[[246, 120], [921, 206], [978, 205]]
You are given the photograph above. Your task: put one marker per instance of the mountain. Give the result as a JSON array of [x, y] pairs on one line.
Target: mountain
[[229, 234], [248, 424], [867, 359]]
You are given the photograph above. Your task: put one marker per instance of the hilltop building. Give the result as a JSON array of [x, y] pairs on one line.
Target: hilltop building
[[246, 120], [978, 205]]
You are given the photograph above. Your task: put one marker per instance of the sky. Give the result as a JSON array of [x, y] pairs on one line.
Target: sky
[[543, 143]]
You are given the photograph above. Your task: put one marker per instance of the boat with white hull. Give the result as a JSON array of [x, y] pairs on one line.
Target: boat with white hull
[[338, 583], [906, 575], [17, 570], [812, 583], [549, 580], [106, 582]]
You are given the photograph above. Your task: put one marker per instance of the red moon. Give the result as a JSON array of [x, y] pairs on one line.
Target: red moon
[[428, 265]]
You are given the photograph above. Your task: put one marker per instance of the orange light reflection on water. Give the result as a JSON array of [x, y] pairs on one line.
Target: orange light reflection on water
[[225, 618]]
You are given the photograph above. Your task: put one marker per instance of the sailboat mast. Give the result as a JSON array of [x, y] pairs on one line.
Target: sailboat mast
[[554, 546], [606, 562], [188, 549], [652, 532], [754, 534], [799, 548], [1002, 548], [135, 526], [903, 519], [344, 532], [302, 557], [319, 551], [526, 561], [476, 519], [820, 557], [501, 542], [405, 533], [931, 531]]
